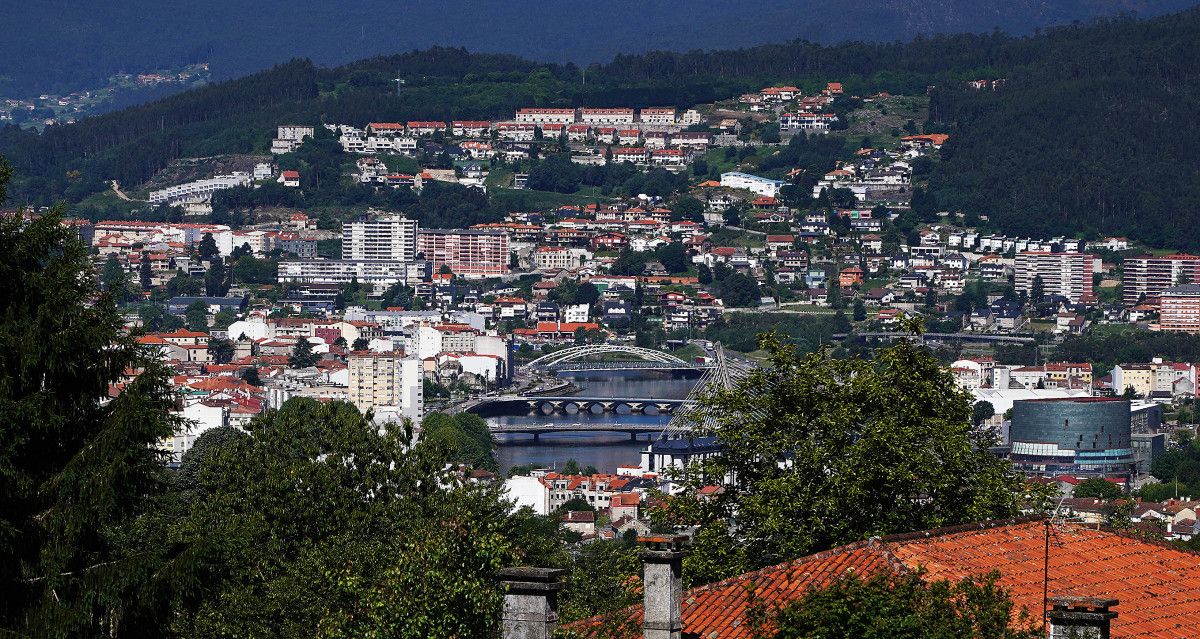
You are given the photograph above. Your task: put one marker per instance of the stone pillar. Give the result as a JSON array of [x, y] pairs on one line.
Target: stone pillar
[[530, 602], [662, 586]]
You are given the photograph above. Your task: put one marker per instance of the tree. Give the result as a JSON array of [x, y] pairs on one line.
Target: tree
[[220, 351], [361, 344], [1037, 289], [571, 467], [250, 376], [860, 310], [82, 475], [876, 446], [184, 285], [113, 279], [208, 248], [302, 355], [982, 411], [196, 316], [318, 518], [689, 208], [216, 279], [145, 275], [1097, 488], [704, 274], [905, 607], [674, 257], [465, 436]]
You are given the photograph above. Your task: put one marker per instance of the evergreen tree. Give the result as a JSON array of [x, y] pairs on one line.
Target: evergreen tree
[[860, 310], [196, 316], [145, 276], [82, 477], [216, 282], [1037, 290], [208, 248], [220, 350], [302, 355], [113, 279], [250, 376], [361, 344]]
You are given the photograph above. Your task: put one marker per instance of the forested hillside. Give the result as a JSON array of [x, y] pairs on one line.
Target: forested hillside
[[1093, 132], [1100, 135], [71, 44]]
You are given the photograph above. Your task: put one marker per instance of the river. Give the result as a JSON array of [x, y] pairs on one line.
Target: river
[[605, 451]]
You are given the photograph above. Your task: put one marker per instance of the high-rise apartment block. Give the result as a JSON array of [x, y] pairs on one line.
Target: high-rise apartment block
[[388, 383], [1066, 274], [391, 237], [473, 253], [1179, 309], [1146, 277]]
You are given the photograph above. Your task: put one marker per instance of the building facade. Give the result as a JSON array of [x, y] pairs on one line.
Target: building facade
[[1179, 309], [387, 383], [390, 237], [1073, 436], [1066, 274], [1145, 278], [473, 253]]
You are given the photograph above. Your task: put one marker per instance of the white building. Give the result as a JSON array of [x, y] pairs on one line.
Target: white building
[[611, 117], [388, 383], [378, 274], [528, 492], [752, 183], [200, 190], [391, 237], [289, 137], [545, 116]]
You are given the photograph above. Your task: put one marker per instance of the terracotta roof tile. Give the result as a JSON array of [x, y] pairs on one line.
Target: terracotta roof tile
[[1144, 576]]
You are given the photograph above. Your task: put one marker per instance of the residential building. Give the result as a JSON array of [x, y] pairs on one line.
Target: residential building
[[472, 253], [1179, 309], [199, 190], [753, 183], [612, 117], [1065, 274], [390, 237], [658, 115], [1145, 278], [378, 274], [545, 116], [387, 383]]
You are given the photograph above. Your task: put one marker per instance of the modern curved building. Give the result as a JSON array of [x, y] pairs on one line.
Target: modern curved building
[[1072, 436]]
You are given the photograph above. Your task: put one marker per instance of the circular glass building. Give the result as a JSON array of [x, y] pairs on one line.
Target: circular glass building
[[1075, 436]]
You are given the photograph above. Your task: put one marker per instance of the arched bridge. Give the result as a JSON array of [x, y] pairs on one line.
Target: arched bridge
[[575, 405], [576, 358]]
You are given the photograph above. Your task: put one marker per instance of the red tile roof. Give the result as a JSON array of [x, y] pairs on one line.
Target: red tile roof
[[1148, 578]]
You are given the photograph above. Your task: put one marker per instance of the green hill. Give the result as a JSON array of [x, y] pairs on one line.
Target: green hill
[[1094, 131]]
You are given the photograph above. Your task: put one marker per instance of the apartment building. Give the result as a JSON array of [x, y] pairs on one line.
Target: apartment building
[[378, 274], [752, 183], [390, 237], [1179, 309], [555, 258], [387, 383], [1066, 274], [661, 116], [199, 190], [808, 122], [289, 137], [611, 117], [545, 116], [1146, 277], [472, 253]]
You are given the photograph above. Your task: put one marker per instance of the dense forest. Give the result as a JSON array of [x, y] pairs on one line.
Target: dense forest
[[1091, 133], [69, 44]]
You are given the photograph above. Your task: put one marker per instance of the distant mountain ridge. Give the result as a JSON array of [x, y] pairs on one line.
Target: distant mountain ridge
[[50, 46]]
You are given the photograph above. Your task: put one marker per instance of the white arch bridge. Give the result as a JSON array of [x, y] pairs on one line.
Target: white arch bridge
[[579, 358]]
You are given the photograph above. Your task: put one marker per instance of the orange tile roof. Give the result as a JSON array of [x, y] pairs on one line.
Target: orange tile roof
[[1148, 578]]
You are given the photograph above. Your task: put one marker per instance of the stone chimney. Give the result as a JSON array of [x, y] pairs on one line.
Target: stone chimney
[[662, 586], [530, 602], [1080, 617]]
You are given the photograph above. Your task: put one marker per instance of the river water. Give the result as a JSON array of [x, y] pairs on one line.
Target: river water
[[605, 451]]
